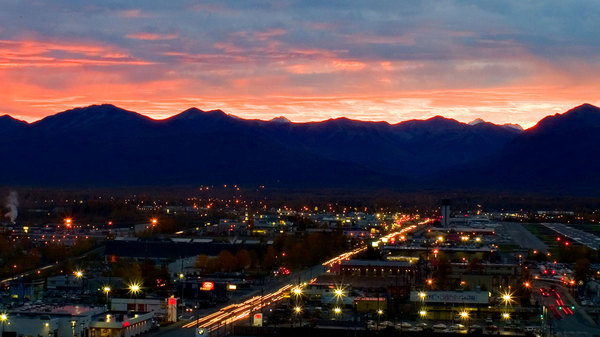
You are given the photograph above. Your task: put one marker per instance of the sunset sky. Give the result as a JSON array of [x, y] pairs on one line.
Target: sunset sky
[[510, 61]]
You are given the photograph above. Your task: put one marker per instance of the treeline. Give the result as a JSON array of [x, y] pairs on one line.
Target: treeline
[[290, 251], [20, 255]]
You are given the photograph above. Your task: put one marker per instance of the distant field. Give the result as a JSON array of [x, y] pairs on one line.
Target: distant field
[[508, 248], [545, 234], [589, 228]]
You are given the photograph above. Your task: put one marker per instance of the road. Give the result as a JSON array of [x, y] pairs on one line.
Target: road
[[218, 322], [579, 236], [565, 321], [50, 266], [524, 238]]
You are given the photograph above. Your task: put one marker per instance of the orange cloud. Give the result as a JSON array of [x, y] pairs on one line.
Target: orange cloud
[[22, 54], [152, 36]]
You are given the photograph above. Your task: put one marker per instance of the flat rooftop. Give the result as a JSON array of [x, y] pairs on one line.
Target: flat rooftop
[[72, 310]]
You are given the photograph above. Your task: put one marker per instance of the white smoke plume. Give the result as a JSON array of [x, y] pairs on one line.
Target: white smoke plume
[[12, 203]]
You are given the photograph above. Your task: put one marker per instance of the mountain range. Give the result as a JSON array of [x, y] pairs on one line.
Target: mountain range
[[103, 145]]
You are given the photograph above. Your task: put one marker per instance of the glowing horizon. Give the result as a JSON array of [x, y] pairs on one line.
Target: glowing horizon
[[510, 63]]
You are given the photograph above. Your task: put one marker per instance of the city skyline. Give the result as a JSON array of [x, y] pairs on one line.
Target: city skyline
[[509, 63]]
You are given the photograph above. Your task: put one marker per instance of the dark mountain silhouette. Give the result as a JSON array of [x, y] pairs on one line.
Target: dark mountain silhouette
[[103, 145], [559, 154], [9, 126]]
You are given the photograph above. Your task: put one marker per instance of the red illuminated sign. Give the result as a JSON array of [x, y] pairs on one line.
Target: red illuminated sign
[[125, 324], [172, 301], [208, 285], [257, 316]]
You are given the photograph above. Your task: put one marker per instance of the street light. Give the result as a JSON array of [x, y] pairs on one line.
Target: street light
[[337, 310], [3, 318], [422, 313], [464, 315], [507, 298], [297, 291], [506, 315], [134, 289], [106, 290]]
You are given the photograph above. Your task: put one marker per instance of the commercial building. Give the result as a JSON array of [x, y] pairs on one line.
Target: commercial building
[[74, 320]]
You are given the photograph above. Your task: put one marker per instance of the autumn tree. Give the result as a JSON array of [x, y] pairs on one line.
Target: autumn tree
[[201, 261], [581, 269], [442, 272], [226, 261], [243, 260]]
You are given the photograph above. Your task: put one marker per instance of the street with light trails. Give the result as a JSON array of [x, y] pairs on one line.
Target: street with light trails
[[225, 317], [233, 313]]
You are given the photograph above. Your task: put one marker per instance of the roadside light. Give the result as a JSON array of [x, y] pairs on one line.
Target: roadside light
[[297, 291], [507, 298], [106, 289], [134, 288], [464, 314], [3, 317], [339, 292], [527, 284], [506, 315], [297, 309], [380, 312], [422, 313], [422, 295], [429, 281], [337, 310], [181, 276]]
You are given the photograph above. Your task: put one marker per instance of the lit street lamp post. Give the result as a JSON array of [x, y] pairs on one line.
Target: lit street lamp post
[[297, 291], [339, 295], [379, 313], [79, 276], [106, 290], [507, 299], [3, 318], [464, 315], [134, 289], [422, 312]]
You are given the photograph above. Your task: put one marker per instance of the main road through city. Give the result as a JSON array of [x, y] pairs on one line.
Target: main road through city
[[219, 321], [560, 318]]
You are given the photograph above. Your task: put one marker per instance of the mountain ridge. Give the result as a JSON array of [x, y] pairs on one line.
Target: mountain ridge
[[106, 145]]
